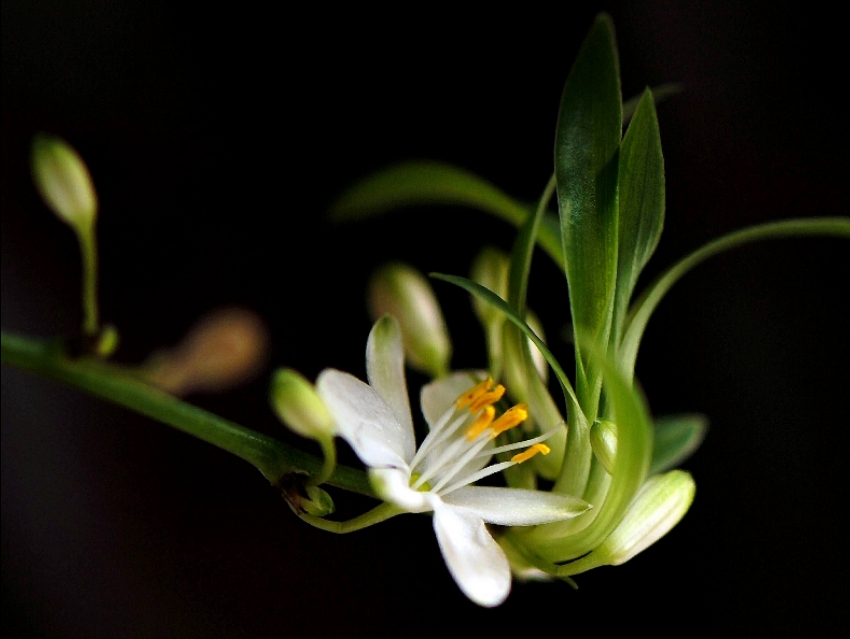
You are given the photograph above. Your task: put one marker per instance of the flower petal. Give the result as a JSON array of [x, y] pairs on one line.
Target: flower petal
[[385, 370], [363, 419], [515, 506], [438, 396], [475, 560], [393, 485]]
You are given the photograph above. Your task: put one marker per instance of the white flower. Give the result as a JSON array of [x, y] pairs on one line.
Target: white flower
[[375, 420]]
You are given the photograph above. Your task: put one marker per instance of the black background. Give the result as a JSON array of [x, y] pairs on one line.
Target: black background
[[217, 139]]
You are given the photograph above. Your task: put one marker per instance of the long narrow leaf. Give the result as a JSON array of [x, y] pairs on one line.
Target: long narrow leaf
[[423, 182], [497, 302], [644, 307], [676, 439], [587, 140], [641, 202]]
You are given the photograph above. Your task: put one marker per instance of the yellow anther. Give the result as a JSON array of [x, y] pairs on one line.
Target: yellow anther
[[510, 418], [530, 452], [487, 399], [474, 393], [481, 423]]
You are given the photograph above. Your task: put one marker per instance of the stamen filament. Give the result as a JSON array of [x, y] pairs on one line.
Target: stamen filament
[[526, 442], [445, 456], [463, 461], [481, 474], [439, 434]]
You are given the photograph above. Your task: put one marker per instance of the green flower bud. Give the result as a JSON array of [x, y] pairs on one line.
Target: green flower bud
[[490, 269], [318, 503], [64, 182], [603, 439], [401, 291], [106, 342], [659, 505], [297, 404]]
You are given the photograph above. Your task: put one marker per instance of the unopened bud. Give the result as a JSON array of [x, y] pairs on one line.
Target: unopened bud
[[603, 439], [401, 291], [106, 342], [659, 505], [299, 406], [490, 270], [221, 351], [64, 182], [318, 503]]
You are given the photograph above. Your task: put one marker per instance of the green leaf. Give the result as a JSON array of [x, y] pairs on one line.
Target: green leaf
[[676, 438], [491, 298], [643, 308], [423, 182], [587, 140], [641, 202], [630, 466]]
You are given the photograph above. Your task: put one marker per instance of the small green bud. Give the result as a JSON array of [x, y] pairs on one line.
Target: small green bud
[[659, 505], [297, 404], [318, 503], [401, 291], [106, 342], [64, 182], [603, 439], [490, 270]]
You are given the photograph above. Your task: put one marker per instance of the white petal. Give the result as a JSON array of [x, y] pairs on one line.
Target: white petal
[[363, 419], [477, 563], [514, 506], [385, 370], [438, 396], [393, 485]]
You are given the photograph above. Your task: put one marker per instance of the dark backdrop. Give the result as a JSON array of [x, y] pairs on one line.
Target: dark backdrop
[[218, 138]]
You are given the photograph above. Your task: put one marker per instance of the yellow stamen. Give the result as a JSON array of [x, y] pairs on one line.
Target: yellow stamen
[[487, 399], [510, 418], [481, 423], [530, 452], [474, 393]]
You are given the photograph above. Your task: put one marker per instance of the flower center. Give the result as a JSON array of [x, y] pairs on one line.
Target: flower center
[[456, 451]]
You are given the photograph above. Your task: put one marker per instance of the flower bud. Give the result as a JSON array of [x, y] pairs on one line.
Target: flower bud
[[490, 269], [64, 182], [317, 503], [220, 351], [401, 291], [297, 404], [659, 505]]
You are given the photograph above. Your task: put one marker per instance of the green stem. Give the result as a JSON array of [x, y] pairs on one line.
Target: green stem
[[273, 458], [374, 516], [88, 250], [329, 453]]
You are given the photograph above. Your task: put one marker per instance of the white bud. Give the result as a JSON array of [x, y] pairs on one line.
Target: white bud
[[401, 291], [64, 182], [659, 505]]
